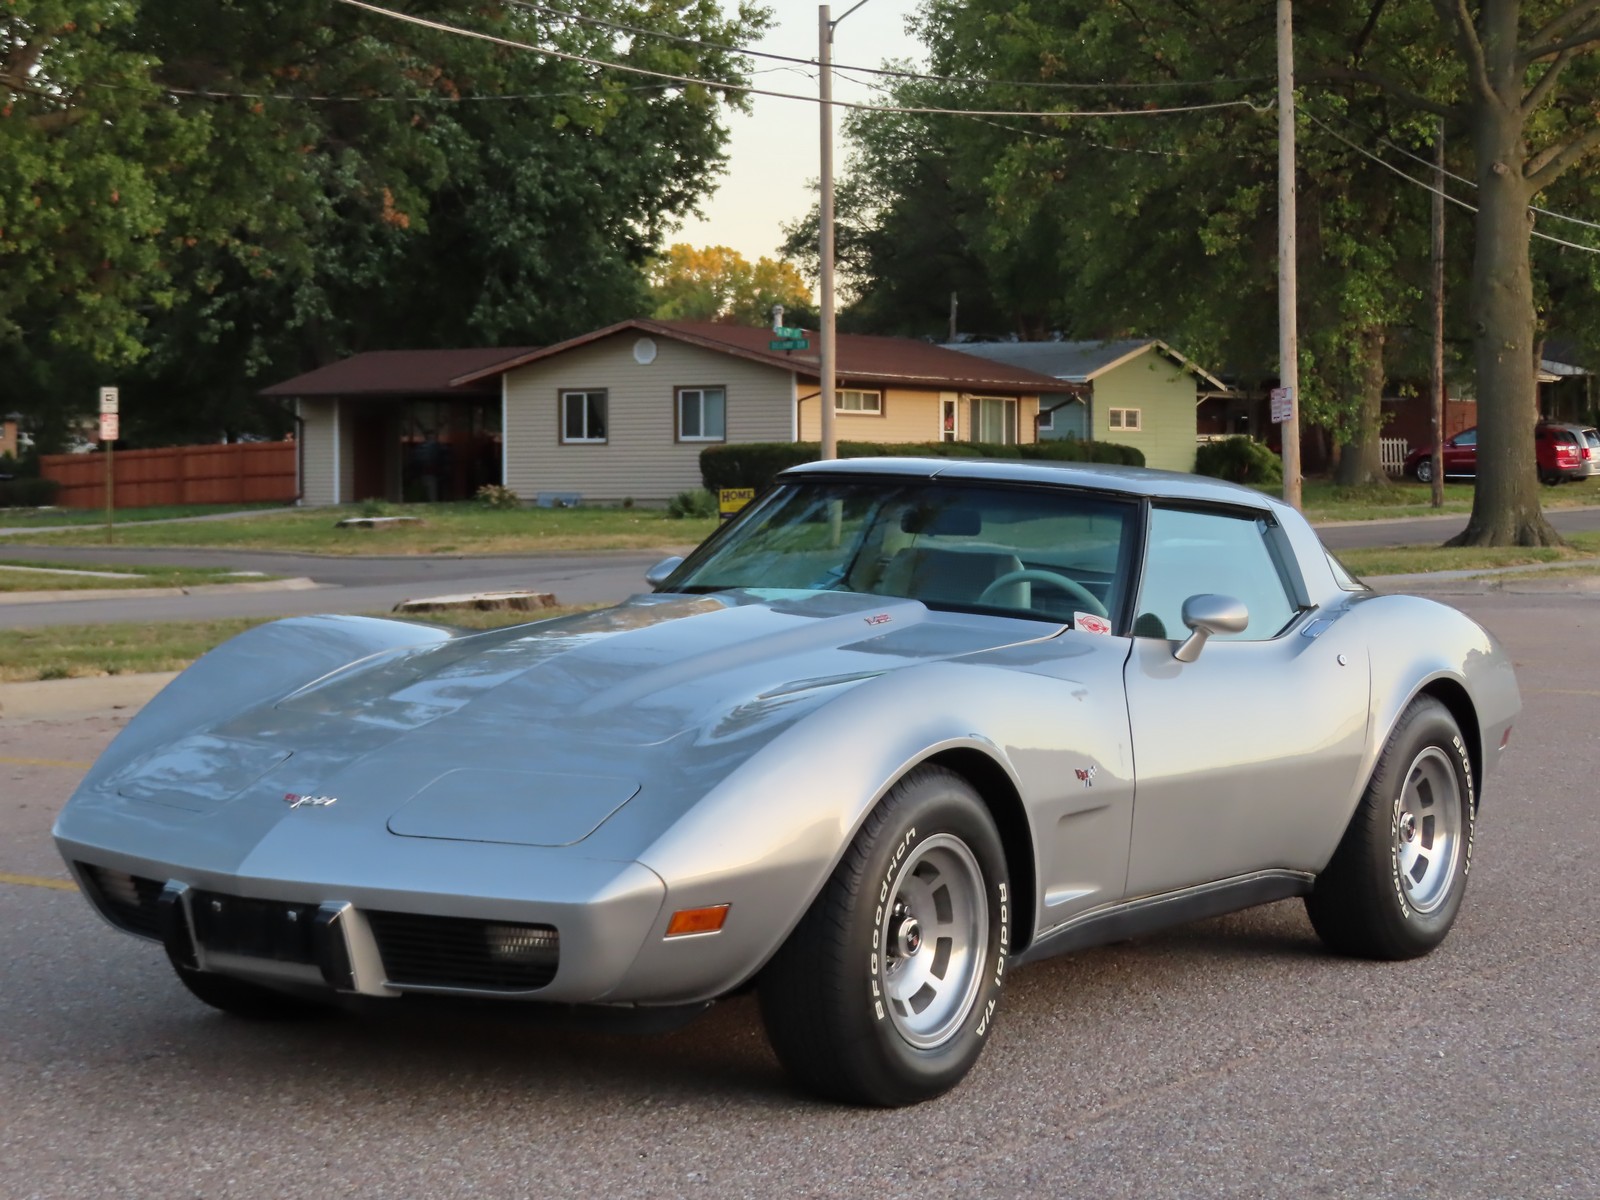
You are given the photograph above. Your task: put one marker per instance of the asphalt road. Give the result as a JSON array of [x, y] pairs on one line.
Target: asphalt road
[[365, 585], [1231, 1058]]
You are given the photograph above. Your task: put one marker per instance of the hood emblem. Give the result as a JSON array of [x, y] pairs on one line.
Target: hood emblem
[[294, 800]]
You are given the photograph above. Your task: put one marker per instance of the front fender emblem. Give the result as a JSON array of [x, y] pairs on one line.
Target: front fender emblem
[[294, 800], [1085, 775]]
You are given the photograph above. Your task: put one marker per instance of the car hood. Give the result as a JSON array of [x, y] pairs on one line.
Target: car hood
[[537, 734]]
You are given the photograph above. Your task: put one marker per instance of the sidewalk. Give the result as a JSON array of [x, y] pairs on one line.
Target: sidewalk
[[70, 699]]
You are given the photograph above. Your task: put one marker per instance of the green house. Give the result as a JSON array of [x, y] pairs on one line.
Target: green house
[[1136, 391]]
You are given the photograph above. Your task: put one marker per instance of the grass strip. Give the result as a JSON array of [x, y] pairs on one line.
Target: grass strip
[[1413, 560], [464, 528], [21, 518], [36, 579], [79, 651]]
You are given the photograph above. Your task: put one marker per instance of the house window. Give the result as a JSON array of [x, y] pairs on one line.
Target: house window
[[858, 402], [947, 420], [583, 416], [1047, 420], [702, 414], [994, 420], [1124, 418]]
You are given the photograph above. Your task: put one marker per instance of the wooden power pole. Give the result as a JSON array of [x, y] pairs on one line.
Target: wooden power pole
[[1288, 331]]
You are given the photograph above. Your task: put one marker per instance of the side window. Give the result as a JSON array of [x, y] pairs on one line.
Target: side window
[[1188, 553], [1469, 438]]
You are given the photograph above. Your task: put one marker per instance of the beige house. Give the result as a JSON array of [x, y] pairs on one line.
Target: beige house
[[624, 412], [1136, 391]]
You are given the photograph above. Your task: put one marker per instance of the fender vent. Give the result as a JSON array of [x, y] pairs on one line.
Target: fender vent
[[129, 902], [460, 952]]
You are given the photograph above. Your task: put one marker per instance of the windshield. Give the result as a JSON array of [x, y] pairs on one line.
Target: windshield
[[1037, 553]]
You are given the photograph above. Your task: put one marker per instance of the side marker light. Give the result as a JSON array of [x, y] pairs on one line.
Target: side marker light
[[688, 921]]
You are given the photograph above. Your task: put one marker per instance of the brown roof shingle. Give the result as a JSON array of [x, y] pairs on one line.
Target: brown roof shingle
[[398, 373], [862, 359]]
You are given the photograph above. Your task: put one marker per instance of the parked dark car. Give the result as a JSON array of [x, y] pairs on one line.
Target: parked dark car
[[1562, 452]]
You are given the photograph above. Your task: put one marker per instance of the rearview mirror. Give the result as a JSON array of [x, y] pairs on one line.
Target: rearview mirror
[[1206, 615], [657, 575]]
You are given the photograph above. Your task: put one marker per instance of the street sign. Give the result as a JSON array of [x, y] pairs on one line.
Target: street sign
[[108, 399], [797, 343], [109, 422], [1282, 404], [788, 331]]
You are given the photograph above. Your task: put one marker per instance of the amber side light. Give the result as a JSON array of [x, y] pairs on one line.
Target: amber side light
[[1504, 741], [697, 920]]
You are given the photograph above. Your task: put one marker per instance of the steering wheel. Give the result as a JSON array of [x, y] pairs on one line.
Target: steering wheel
[[1035, 575]]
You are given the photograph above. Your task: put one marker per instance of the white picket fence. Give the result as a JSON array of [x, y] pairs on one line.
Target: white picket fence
[[1393, 452]]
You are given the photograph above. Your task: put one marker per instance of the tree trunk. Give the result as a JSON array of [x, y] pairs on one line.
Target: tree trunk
[[1361, 460], [1505, 504]]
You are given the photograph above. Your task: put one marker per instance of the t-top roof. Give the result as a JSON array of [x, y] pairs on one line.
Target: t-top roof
[[1078, 362], [861, 359], [396, 373]]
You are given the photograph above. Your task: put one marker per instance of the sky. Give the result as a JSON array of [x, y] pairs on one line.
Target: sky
[[773, 152]]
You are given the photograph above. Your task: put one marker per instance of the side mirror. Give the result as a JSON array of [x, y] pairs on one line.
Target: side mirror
[[1208, 614], [657, 575]]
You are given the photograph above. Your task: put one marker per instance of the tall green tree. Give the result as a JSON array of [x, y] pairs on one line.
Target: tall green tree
[[717, 283]]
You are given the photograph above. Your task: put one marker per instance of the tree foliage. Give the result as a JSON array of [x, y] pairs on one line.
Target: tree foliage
[[226, 193], [715, 283]]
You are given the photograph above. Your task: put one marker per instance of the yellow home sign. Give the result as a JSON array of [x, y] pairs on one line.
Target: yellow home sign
[[731, 500]]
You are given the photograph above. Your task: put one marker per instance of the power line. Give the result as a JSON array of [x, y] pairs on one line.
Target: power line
[[209, 94], [748, 90], [1472, 208], [890, 72]]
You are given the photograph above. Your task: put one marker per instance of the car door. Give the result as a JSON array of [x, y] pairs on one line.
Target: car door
[[1461, 453], [1244, 759]]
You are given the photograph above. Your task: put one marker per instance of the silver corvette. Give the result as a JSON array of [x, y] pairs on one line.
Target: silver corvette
[[899, 728]]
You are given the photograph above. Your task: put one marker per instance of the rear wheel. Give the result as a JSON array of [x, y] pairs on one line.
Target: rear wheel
[[1394, 886], [886, 990]]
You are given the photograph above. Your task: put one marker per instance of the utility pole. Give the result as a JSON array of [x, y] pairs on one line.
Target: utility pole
[[828, 353], [1438, 316], [1288, 331]]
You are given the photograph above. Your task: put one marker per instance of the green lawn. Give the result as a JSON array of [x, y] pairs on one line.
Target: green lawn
[[70, 651], [1323, 501], [1409, 560], [23, 518], [447, 529], [37, 577]]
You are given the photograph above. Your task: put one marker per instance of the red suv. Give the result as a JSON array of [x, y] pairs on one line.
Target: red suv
[[1560, 450]]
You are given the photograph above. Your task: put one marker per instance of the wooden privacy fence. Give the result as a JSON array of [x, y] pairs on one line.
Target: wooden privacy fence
[[230, 474]]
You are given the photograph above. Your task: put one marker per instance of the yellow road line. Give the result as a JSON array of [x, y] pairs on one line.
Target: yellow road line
[[39, 881], [70, 764], [1540, 691]]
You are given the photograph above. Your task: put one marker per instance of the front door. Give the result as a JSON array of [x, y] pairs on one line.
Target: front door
[[1246, 758]]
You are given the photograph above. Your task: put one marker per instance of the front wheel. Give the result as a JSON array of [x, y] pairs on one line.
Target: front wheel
[[1394, 886], [886, 991], [1425, 471]]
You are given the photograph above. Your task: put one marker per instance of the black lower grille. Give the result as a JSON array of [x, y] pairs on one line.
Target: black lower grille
[[268, 929], [459, 952], [128, 901]]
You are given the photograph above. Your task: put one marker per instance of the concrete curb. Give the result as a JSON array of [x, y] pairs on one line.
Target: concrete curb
[[70, 699], [299, 584]]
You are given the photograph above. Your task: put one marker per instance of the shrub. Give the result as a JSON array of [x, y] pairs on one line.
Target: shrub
[[493, 495], [1239, 460], [373, 507], [28, 493], [754, 464], [695, 503]]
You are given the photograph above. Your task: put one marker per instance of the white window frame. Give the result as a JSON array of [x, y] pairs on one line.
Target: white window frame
[[975, 433], [1117, 418], [1047, 420], [568, 394], [863, 411], [678, 396]]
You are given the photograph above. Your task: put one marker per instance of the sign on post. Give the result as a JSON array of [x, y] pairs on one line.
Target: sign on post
[[110, 426], [788, 331], [1282, 404], [108, 401], [731, 500], [789, 343]]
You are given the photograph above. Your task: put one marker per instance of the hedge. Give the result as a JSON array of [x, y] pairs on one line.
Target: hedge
[[753, 464], [28, 493], [1239, 460]]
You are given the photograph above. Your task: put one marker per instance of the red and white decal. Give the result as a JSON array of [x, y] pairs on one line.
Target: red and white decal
[[878, 619], [1090, 623]]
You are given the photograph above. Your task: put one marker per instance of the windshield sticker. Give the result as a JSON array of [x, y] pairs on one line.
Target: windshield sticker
[[1090, 623]]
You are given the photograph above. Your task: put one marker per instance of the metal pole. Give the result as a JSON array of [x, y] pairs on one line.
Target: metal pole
[[111, 450], [1438, 317], [828, 366], [1288, 333]]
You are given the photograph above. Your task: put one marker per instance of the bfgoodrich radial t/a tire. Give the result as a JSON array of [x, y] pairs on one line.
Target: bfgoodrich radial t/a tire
[[886, 991], [1394, 886]]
